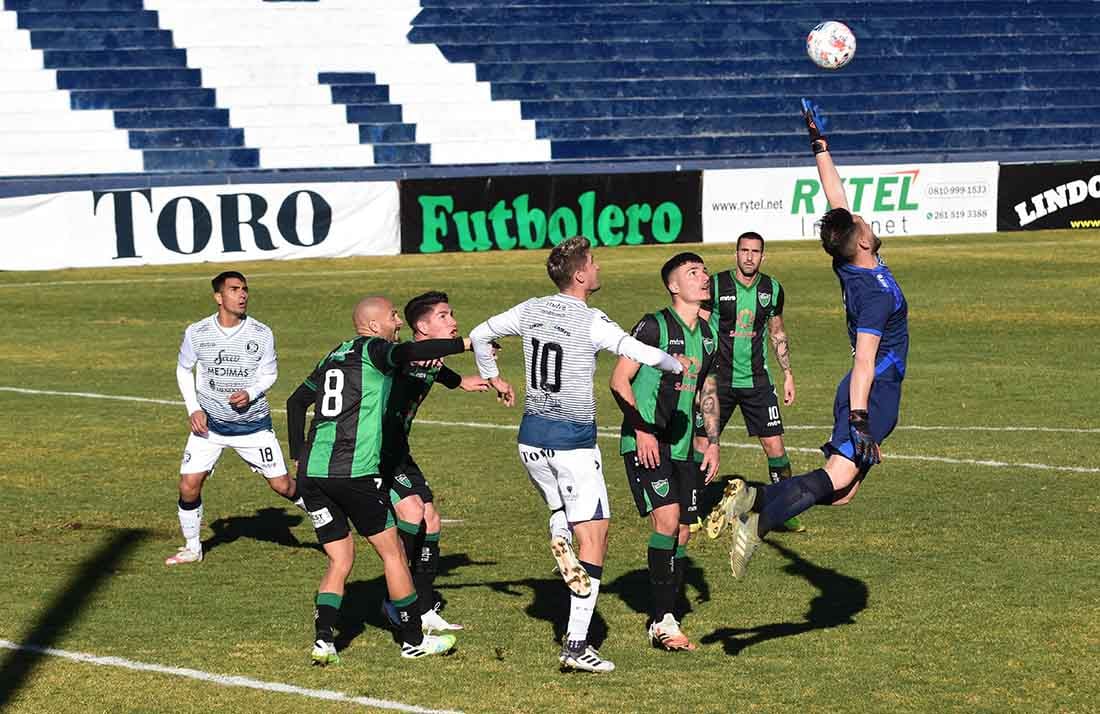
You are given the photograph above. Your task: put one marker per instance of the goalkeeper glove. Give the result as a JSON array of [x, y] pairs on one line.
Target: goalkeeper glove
[[864, 449], [815, 124]]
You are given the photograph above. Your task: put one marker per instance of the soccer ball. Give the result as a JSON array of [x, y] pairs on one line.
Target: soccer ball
[[831, 45]]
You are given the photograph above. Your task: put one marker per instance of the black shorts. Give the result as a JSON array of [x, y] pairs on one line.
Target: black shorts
[[671, 482], [331, 502], [408, 480], [759, 408]]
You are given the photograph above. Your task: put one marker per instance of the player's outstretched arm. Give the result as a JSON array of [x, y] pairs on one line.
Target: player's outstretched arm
[[826, 169], [506, 324], [607, 335]]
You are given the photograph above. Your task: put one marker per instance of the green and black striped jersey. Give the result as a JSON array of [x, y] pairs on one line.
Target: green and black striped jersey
[[664, 400], [411, 385], [350, 390], [739, 317]]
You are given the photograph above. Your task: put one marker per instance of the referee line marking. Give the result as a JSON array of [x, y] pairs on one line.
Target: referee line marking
[[224, 680], [610, 434]]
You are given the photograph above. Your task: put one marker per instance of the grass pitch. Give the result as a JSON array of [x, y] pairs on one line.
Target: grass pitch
[[963, 578]]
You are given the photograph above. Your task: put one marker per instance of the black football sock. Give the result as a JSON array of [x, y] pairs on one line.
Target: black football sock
[[326, 615], [408, 619], [425, 570], [662, 573], [793, 496], [680, 569]]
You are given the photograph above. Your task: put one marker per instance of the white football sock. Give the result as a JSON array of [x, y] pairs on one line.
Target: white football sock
[[191, 525], [559, 526], [580, 613]]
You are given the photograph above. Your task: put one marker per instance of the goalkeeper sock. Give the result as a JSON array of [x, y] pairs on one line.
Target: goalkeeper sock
[[326, 615], [190, 515], [793, 496], [581, 609], [425, 570], [662, 573], [408, 618]]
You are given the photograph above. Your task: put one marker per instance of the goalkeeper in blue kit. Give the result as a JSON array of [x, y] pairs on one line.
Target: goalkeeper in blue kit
[[868, 397]]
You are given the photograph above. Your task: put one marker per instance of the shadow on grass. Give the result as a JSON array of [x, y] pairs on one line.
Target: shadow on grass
[[271, 525], [362, 605], [550, 601], [634, 590], [65, 609], [841, 598]]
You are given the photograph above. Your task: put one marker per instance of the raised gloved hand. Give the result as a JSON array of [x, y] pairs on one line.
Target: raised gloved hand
[[815, 124]]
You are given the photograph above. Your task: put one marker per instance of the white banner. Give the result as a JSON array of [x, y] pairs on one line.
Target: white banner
[[902, 199], [194, 224]]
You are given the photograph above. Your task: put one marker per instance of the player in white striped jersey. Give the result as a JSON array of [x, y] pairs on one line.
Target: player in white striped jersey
[[235, 359], [557, 437]]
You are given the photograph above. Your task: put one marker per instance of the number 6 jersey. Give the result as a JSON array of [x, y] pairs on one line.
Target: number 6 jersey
[[561, 336]]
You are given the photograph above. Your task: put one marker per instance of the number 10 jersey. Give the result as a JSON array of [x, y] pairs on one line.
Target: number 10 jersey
[[561, 336]]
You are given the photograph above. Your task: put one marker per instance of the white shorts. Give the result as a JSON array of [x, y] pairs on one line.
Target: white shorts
[[570, 479], [259, 450]]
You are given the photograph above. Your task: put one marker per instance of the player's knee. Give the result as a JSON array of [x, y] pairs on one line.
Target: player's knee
[[773, 446], [410, 509], [191, 486], [432, 522]]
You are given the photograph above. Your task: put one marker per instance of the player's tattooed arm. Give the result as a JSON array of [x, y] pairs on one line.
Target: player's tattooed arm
[[782, 347], [780, 344], [709, 410]]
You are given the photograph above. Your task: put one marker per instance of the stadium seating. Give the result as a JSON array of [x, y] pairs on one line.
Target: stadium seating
[[112, 86]]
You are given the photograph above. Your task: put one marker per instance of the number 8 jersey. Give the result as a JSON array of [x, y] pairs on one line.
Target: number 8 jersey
[[561, 336]]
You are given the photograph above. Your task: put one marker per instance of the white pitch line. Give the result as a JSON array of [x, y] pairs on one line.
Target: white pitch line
[[157, 279], [610, 434], [224, 680]]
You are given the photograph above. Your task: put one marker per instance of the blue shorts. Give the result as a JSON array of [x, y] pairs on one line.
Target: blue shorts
[[882, 410]]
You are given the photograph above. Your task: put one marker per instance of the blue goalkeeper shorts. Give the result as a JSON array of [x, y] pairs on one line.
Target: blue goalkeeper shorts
[[882, 411]]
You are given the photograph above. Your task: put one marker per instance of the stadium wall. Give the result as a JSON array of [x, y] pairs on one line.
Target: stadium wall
[[277, 217]]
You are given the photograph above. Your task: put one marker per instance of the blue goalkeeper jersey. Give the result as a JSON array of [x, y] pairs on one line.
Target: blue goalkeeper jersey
[[874, 303]]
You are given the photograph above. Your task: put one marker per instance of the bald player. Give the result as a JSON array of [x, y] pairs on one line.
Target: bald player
[[339, 472]]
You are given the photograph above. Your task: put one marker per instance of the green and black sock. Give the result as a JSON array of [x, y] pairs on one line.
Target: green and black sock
[[662, 573], [326, 615], [680, 571], [425, 570], [408, 619]]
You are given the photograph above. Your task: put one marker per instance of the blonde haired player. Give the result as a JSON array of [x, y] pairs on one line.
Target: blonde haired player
[[557, 436]]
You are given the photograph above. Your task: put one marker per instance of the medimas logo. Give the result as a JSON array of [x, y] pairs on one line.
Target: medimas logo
[[532, 212]]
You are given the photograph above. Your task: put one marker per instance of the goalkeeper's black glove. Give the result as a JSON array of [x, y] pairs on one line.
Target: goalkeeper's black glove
[[865, 451], [815, 124]]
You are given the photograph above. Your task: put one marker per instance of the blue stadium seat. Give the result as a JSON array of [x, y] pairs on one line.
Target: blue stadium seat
[[244, 84]]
